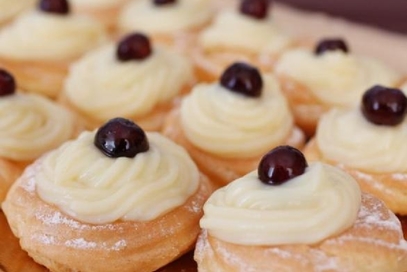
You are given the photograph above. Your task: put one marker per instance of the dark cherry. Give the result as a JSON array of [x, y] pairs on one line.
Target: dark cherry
[[331, 45], [54, 6], [257, 9], [242, 78], [120, 137], [281, 164], [384, 106], [135, 46], [163, 2], [7, 83]]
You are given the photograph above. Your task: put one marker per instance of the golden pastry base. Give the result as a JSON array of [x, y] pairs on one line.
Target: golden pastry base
[[14, 259]]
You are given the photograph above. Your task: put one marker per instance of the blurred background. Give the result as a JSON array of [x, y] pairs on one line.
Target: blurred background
[[386, 14]]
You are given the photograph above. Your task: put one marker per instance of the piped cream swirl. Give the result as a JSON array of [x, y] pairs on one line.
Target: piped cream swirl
[[228, 124], [336, 78], [128, 89], [234, 30], [93, 188], [321, 203], [10, 8], [96, 3], [143, 15], [373, 148], [31, 125], [41, 36]]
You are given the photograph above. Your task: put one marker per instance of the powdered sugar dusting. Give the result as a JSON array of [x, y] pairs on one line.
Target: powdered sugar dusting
[[284, 254], [401, 245], [29, 176], [80, 243], [119, 245], [235, 260], [44, 239], [399, 176], [372, 217], [195, 207], [201, 244], [324, 262], [29, 186], [374, 183], [58, 218]]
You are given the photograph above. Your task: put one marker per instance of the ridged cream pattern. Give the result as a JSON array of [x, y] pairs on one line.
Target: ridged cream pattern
[[347, 137], [31, 125], [307, 209], [336, 78], [10, 8], [234, 30], [42, 36], [93, 188], [228, 124], [103, 87], [96, 3], [143, 15]]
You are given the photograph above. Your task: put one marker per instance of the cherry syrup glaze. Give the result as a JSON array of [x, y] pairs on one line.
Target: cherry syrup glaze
[[135, 46], [163, 2], [281, 164], [242, 78], [54, 6], [7, 83], [384, 106], [121, 137], [257, 9], [331, 45]]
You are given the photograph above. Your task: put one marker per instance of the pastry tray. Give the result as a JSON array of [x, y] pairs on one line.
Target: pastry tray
[[387, 46]]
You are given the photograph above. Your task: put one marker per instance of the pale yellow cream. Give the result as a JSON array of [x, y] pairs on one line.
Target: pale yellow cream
[[10, 8], [93, 188], [404, 88], [321, 203], [104, 87], [345, 136], [43, 36], [234, 30], [143, 15], [96, 3], [229, 124], [31, 125], [335, 78]]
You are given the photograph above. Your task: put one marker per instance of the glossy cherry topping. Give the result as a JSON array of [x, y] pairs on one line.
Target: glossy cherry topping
[[242, 78], [7, 83], [54, 6], [257, 9], [331, 45], [384, 106], [163, 2], [135, 46], [120, 137], [281, 164]]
